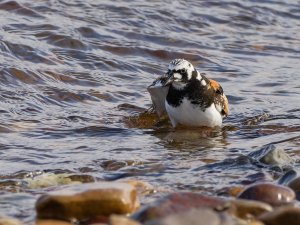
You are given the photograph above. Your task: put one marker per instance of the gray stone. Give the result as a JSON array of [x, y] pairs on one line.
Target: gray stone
[[271, 155]]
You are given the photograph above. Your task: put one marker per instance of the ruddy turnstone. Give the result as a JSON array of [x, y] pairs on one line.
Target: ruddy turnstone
[[189, 97]]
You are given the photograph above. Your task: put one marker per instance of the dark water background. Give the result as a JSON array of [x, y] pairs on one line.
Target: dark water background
[[71, 72]]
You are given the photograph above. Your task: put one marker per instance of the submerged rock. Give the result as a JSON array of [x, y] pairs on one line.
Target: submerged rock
[[88, 200], [52, 179], [288, 215], [271, 155], [269, 193], [286, 178]]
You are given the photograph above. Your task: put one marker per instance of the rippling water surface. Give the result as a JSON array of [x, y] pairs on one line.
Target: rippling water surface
[[73, 76]]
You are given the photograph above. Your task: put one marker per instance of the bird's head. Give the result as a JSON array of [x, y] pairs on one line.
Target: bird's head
[[180, 72]]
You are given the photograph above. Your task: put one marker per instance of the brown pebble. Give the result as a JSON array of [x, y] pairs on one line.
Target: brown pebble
[[235, 191], [255, 223], [286, 215], [52, 222], [246, 209], [272, 194], [122, 220], [9, 221], [89, 200], [295, 184], [142, 187]]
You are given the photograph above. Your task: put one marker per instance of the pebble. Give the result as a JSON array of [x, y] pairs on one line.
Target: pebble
[[9, 221], [295, 184], [177, 203], [247, 209], [269, 193], [48, 180], [232, 191], [287, 215], [52, 222], [255, 223], [286, 178], [200, 216], [142, 187], [89, 200], [122, 220]]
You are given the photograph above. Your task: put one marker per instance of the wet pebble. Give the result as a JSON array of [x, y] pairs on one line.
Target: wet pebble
[[288, 215], [87, 201], [142, 187], [255, 223], [48, 180], [287, 177], [247, 209], [200, 216], [234, 191], [177, 203], [9, 221], [121, 220], [269, 193], [295, 186], [52, 222]]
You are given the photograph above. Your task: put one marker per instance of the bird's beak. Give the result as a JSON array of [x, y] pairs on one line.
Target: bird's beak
[[170, 79]]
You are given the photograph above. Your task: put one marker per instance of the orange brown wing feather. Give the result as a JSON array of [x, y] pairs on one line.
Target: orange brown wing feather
[[215, 85]]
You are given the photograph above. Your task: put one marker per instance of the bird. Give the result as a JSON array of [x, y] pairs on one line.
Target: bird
[[191, 98]]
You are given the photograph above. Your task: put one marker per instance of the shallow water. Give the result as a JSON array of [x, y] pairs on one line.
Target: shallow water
[[73, 73]]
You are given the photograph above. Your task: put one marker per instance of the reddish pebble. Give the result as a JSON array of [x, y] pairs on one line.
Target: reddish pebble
[[269, 193], [177, 203]]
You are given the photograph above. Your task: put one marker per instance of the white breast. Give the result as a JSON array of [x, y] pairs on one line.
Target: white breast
[[191, 115]]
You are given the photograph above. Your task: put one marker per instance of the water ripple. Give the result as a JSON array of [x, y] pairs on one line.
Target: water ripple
[[73, 78]]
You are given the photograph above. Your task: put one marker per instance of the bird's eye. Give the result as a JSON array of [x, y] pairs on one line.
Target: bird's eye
[[219, 91], [182, 71]]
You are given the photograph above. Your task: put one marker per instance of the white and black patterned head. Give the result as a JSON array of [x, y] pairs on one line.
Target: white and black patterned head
[[181, 70]]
